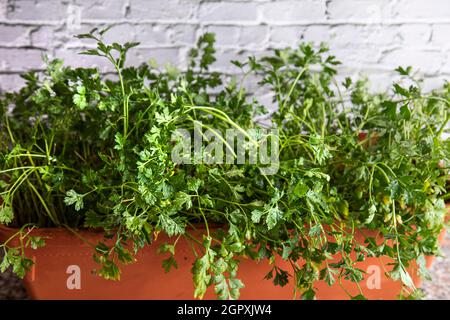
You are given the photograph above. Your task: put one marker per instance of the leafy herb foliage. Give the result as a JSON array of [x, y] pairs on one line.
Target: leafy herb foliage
[[78, 150]]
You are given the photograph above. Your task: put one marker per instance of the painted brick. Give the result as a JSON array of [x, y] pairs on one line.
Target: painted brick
[[152, 35], [72, 57], [428, 62], [282, 36], [293, 11], [161, 55], [441, 35], [14, 35], [380, 80], [10, 82], [37, 10], [431, 83], [228, 11], [162, 10], [446, 67], [225, 35], [411, 9], [102, 9], [370, 34], [358, 56], [120, 33], [225, 56], [183, 34], [366, 10], [13, 59], [417, 34], [253, 36], [3, 5], [317, 34], [44, 37]]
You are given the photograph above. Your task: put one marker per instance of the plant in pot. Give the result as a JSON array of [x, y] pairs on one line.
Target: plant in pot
[[89, 182], [80, 151], [383, 155]]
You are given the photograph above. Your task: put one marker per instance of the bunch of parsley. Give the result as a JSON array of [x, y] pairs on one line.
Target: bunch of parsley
[[81, 151]]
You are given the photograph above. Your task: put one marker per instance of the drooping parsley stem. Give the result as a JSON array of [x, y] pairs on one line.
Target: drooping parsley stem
[[291, 90], [222, 116], [125, 99]]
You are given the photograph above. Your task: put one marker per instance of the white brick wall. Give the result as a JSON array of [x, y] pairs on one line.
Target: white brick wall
[[370, 36]]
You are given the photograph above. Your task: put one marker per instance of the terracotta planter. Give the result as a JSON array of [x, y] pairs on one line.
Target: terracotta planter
[[63, 270]]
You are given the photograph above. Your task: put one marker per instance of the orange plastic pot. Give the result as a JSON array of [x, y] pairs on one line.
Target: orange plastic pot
[[63, 270]]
